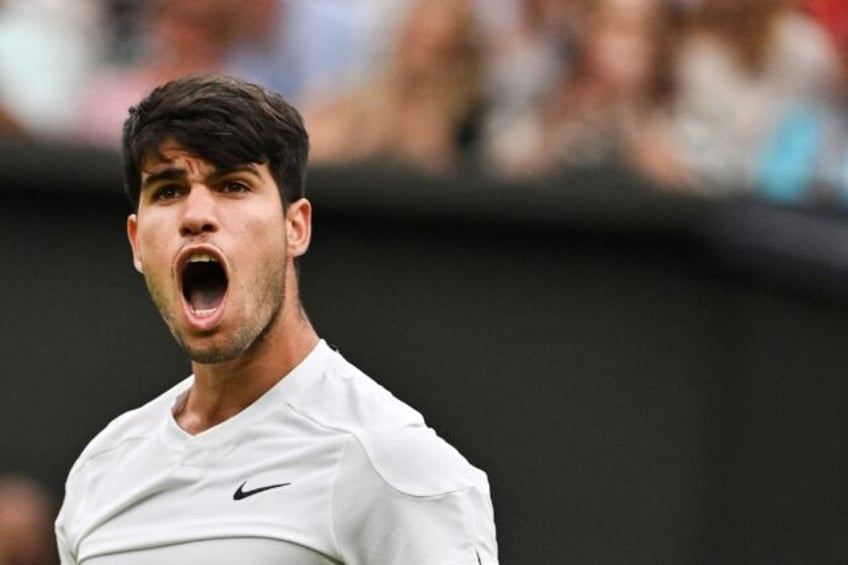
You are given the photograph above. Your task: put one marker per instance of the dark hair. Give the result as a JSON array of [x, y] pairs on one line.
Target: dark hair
[[224, 120]]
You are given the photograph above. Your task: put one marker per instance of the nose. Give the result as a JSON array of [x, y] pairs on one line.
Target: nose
[[198, 212]]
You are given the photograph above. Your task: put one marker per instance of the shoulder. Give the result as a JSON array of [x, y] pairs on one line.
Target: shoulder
[[341, 397], [389, 438], [417, 462], [130, 426]]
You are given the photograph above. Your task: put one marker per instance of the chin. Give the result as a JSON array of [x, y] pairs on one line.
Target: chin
[[210, 357], [210, 354]]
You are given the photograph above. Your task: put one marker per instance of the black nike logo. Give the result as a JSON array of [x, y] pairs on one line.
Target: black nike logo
[[241, 493]]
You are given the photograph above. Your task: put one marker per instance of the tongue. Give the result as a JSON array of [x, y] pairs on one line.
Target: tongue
[[205, 298]]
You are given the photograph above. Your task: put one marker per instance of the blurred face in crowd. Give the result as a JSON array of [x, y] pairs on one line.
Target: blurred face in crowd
[[195, 32], [621, 43], [436, 32], [214, 247]]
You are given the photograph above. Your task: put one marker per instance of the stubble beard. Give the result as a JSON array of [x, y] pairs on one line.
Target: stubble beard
[[247, 337]]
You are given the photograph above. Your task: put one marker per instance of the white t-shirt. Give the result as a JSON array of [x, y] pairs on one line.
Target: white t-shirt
[[325, 468]]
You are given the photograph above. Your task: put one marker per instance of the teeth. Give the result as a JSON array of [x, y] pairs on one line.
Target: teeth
[[205, 313], [202, 258]]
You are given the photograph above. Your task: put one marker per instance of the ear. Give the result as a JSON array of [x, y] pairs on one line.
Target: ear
[[132, 235], [298, 227]]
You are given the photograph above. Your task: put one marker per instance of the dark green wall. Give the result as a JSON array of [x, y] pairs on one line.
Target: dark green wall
[[646, 378]]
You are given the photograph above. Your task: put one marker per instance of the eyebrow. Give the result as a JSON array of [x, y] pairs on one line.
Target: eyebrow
[[176, 173], [164, 175]]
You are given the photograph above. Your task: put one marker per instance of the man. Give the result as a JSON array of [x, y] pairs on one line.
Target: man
[[276, 449]]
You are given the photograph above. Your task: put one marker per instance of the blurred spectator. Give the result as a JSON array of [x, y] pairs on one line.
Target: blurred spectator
[[805, 158], [832, 15], [609, 107], [261, 51], [299, 48], [47, 50], [528, 46], [123, 33], [419, 109], [742, 68], [27, 512], [181, 37], [9, 125]]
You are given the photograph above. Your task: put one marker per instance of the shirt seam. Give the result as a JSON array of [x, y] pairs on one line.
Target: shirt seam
[[335, 538], [353, 435], [89, 458]]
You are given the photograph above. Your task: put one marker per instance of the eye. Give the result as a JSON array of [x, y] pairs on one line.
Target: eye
[[234, 187], [166, 192]]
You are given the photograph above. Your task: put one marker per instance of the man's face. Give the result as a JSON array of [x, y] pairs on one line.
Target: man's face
[[212, 246]]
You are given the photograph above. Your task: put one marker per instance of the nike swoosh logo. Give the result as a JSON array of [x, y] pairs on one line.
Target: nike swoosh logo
[[241, 493]]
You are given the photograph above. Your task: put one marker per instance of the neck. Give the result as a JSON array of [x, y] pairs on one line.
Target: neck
[[222, 390]]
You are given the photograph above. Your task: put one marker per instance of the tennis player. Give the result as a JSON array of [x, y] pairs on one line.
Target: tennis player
[[276, 450]]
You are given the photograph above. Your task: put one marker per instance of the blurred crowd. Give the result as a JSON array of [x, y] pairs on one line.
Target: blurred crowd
[[27, 511], [714, 97]]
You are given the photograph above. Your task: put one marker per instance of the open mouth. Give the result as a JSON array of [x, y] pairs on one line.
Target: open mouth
[[204, 283]]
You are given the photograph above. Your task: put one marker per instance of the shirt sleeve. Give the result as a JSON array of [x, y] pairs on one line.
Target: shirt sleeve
[[65, 557], [411, 499]]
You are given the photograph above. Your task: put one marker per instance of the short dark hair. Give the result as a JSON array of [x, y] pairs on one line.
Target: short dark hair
[[224, 120]]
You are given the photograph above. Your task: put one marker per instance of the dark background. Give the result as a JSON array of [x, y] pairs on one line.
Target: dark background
[[646, 378]]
